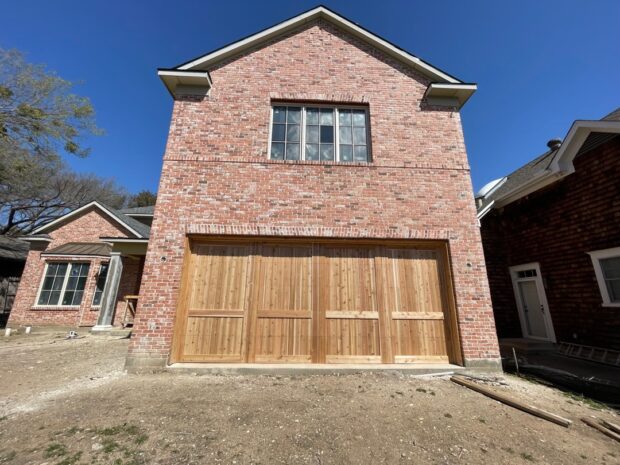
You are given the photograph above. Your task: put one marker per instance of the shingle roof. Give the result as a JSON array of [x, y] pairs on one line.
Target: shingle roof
[[140, 228], [81, 248], [139, 210], [613, 116], [13, 249]]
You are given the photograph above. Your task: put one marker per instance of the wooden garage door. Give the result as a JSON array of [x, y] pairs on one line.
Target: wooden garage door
[[316, 302]]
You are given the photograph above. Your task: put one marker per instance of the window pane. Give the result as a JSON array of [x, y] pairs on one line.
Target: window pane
[[327, 152], [359, 118], [327, 134], [43, 298], [47, 282], [312, 134], [360, 153], [292, 151], [279, 114], [72, 283], [312, 151], [327, 116], [611, 267], [292, 133], [54, 297], [61, 268], [312, 116], [57, 284], [613, 288], [346, 153], [345, 135], [277, 151], [81, 284], [359, 136], [68, 298], [293, 115], [278, 132], [345, 117]]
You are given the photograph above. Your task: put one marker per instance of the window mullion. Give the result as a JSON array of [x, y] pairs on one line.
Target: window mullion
[[64, 283], [302, 137], [337, 134]]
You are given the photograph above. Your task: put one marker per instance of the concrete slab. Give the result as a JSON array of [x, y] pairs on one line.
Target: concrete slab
[[290, 369]]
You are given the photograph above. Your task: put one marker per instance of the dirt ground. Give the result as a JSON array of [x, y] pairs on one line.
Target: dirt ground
[[69, 402]]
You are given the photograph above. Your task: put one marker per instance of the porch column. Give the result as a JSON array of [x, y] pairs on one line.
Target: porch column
[[110, 291]]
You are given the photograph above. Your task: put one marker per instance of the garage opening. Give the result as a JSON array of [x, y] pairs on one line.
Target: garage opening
[[295, 301]]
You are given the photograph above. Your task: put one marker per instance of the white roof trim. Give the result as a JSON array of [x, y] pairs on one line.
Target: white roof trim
[[112, 240], [320, 12], [562, 163], [81, 209], [35, 239], [485, 210]]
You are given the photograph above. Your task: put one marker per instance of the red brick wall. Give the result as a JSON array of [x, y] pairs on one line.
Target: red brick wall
[[217, 177], [556, 227], [87, 227]]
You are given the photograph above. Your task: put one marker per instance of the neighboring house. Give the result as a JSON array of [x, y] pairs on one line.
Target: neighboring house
[[315, 206], [551, 235], [13, 253], [81, 266]]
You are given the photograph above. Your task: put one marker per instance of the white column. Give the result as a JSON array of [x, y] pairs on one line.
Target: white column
[[110, 291]]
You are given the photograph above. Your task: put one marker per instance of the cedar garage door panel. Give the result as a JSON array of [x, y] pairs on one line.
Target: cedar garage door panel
[[321, 303]]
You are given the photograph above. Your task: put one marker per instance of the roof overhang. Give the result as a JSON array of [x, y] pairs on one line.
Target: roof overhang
[[189, 82], [562, 163], [127, 246], [36, 238], [79, 210], [186, 77], [448, 94]]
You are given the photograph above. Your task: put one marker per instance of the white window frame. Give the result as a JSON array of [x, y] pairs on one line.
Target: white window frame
[[302, 138], [64, 285], [596, 257]]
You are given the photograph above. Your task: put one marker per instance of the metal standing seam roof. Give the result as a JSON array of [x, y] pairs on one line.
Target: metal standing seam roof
[[81, 248]]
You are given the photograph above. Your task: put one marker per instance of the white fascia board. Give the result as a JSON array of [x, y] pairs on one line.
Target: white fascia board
[[320, 12], [81, 209], [125, 240], [193, 79], [139, 215], [485, 210], [35, 239], [460, 92], [577, 135]]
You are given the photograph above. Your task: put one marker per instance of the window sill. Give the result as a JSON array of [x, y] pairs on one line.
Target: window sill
[[55, 307], [611, 304], [318, 162]]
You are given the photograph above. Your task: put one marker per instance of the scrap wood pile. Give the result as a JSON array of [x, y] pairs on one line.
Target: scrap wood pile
[[609, 429]]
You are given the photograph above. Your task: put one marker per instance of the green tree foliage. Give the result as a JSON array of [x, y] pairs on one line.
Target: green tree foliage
[[40, 121], [142, 199]]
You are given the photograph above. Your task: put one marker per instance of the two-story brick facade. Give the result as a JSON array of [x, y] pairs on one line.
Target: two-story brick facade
[[315, 205]]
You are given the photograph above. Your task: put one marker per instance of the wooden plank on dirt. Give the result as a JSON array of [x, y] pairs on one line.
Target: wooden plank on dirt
[[615, 428], [607, 432], [511, 402]]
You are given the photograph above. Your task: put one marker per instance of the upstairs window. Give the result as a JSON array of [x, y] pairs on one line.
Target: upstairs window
[[319, 133]]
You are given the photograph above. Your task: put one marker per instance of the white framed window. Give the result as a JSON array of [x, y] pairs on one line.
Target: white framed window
[[319, 133], [607, 270], [63, 284], [101, 279]]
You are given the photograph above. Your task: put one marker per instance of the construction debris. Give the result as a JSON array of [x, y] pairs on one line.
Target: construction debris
[[511, 402], [601, 427]]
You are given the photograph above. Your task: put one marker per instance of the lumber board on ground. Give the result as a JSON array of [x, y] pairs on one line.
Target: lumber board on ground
[[558, 420], [607, 432]]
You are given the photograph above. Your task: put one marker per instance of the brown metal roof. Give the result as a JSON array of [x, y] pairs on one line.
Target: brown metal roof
[[81, 248]]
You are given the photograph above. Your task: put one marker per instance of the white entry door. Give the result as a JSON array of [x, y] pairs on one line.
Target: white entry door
[[532, 302]]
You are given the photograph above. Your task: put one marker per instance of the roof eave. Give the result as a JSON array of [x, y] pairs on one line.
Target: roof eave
[[181, 83], [205, 61], [449, 94]]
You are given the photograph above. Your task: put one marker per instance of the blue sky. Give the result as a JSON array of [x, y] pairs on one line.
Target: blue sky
[[539, 64]]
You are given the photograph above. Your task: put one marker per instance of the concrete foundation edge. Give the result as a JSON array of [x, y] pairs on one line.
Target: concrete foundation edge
[[492, 365]]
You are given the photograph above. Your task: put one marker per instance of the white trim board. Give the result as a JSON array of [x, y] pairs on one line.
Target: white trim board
[[81, 209], [319, 12]]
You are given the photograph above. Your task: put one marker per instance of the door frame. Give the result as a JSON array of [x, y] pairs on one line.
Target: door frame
[[542, 296]]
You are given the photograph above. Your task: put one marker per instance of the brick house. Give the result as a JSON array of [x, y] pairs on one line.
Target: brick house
[[81, 266], [315, 206], [551, 238]]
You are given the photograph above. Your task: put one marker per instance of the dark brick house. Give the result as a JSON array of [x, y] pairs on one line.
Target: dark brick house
[[315, 206], [551, 237]]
